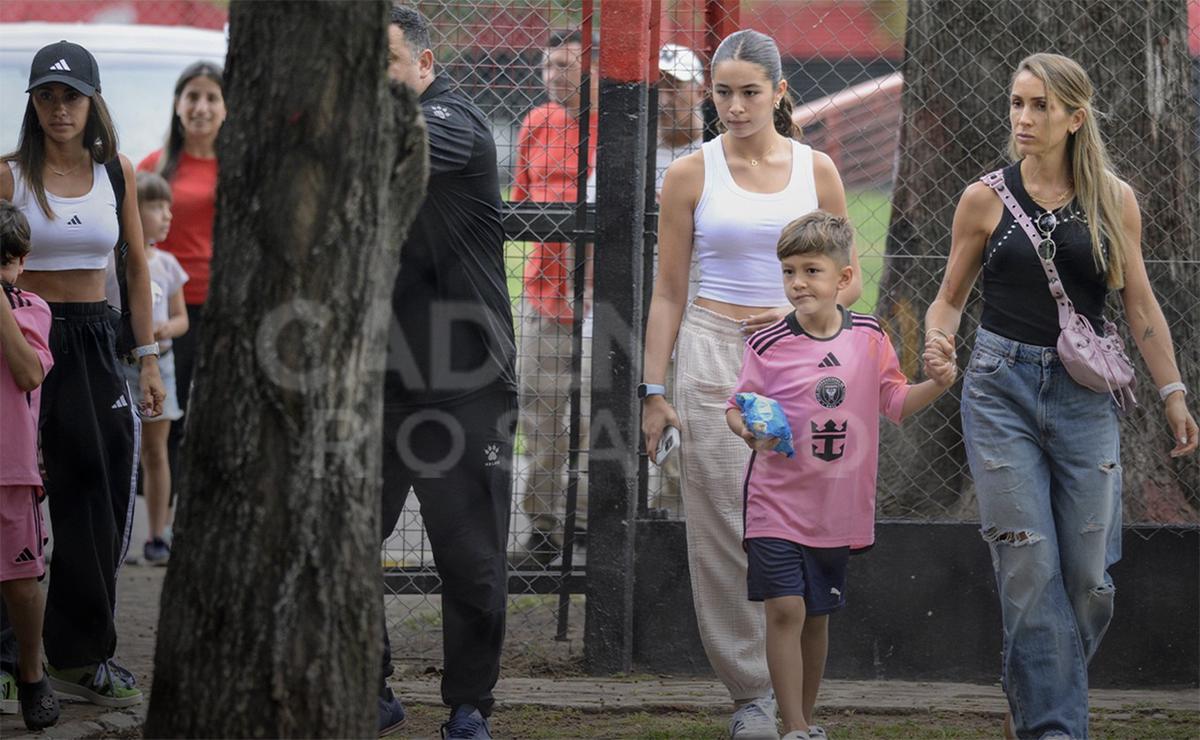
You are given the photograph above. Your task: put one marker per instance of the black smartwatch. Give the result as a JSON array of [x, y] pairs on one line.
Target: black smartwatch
[[650, 389]]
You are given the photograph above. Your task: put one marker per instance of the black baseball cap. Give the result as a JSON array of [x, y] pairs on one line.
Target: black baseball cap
[[68, 63]]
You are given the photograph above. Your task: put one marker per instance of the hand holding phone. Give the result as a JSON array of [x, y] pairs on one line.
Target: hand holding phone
[[667, 443]]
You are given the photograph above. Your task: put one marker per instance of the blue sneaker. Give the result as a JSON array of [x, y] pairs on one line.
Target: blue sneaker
[[467, 722], [391, 713], [156, 551]]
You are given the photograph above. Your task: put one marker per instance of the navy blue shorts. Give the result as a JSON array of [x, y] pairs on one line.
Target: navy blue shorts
[[783, 568]]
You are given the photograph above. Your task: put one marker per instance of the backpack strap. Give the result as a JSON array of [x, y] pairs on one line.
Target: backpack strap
[[116, 177]]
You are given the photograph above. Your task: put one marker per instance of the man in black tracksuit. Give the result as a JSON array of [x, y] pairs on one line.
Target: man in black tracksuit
[[450, 389]]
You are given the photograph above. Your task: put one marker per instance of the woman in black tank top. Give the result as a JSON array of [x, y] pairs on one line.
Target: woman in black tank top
[[1044, 451]]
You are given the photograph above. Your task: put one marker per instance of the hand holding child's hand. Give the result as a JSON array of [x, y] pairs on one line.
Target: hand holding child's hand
[[939, 358]]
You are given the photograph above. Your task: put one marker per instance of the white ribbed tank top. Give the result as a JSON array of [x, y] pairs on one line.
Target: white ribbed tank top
[[735, 231], [83, 231]]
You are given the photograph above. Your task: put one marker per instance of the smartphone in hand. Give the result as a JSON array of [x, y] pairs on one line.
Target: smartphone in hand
[[667, 443]]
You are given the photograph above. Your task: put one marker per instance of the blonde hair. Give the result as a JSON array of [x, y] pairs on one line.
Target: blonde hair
[[1097, 186]]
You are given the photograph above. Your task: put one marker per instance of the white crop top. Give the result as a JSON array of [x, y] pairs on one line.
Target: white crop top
[[736, 231], [82, 233]]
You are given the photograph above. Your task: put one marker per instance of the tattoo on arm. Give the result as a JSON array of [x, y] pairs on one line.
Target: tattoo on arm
[[1149, 333]]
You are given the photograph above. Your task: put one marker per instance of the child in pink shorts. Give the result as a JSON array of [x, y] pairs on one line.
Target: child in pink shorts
[[24, 361]]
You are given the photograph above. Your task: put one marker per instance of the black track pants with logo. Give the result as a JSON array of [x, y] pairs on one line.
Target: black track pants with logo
[[89, 433], [457, 457]]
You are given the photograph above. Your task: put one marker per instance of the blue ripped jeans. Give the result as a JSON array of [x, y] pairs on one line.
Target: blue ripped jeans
[[1045, 455]]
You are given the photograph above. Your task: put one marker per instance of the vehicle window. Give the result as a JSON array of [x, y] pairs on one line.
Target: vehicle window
[[137, 88]]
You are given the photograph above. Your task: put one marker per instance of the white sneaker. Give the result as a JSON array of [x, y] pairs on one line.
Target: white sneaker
[[755, 720], [797, 735], [817, 732]]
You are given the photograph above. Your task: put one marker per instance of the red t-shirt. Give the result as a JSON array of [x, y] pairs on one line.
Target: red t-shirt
[[547, 172], [194, 205]]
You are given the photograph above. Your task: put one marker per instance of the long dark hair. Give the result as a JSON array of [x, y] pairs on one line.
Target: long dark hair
[[99, 138], [169, 161], [760, 49]]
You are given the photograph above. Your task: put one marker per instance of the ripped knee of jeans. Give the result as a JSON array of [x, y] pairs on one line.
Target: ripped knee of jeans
[[1012, 537]]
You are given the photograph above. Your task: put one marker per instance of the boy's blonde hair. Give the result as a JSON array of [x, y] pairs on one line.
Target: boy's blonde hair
[[14, 233], [818, 232], [151, 186]]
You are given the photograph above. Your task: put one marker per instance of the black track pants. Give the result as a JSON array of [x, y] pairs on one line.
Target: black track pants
[[458, 459]]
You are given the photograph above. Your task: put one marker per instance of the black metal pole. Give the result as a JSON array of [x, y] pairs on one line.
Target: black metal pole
[[617, 334]]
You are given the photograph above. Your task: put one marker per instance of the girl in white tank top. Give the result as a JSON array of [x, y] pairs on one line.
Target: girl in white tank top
[[728, 204]]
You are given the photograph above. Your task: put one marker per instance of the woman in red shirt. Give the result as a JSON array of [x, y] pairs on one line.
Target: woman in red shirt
[[189, 163]]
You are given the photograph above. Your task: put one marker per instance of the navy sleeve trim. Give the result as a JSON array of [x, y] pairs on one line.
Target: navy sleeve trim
[[764, 338], [867, 322]]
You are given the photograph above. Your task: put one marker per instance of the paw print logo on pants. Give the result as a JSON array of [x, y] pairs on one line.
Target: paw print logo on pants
[[492, 453]]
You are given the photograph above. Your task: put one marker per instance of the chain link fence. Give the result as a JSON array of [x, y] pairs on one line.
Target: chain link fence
[[529, 66]]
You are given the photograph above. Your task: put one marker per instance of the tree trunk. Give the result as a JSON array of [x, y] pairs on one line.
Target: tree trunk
[[269, 623], [959, 59]]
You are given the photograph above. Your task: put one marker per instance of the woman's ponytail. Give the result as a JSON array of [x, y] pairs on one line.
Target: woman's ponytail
[[783, 118]]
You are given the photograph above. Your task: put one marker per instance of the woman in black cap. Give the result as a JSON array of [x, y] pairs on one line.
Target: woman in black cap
[[79, 196]]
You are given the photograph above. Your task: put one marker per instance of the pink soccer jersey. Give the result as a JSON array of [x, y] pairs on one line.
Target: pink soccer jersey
[[18, 409], [832, 391]]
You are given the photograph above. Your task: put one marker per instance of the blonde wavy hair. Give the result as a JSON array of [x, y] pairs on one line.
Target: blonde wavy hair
[[1097, 186]]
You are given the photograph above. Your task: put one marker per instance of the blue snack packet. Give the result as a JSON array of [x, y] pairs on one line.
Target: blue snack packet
[[764, 418]]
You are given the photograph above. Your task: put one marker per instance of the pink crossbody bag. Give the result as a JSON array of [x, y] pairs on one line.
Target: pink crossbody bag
[[1096, 362]]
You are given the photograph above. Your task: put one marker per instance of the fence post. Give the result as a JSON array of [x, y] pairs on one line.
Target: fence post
[[617, 342]]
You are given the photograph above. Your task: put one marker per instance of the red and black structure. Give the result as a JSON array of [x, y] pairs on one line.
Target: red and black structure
[[625, 83]]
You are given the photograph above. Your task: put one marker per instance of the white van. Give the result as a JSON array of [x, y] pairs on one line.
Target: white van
[[138, 69]]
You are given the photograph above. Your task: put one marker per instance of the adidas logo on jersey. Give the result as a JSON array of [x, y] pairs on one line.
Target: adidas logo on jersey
[[25, 557], [830, 361], [75, 221], [61, 66], [121, 403]]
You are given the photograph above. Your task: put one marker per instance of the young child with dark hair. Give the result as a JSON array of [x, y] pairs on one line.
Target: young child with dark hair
[[833, 372], [169, 311], [24, 361]]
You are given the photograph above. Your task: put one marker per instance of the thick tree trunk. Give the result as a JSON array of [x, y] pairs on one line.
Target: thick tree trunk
[[959, 59], [269, 623]]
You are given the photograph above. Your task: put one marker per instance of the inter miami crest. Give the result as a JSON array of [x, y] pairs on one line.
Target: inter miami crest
[[825, 438], [831, 392]]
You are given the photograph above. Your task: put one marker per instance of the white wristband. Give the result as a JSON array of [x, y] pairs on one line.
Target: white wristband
[[1170, 388], [146, 350]]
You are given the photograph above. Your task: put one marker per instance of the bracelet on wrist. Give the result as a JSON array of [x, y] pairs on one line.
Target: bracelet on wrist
[[1170, 388], [936, 330]]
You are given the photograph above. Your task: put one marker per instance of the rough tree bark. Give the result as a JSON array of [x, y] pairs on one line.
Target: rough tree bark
[[959, 58], [269, 625]]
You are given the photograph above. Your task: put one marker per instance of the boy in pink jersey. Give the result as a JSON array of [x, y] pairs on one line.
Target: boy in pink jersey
[[833, 372], [24, 361]]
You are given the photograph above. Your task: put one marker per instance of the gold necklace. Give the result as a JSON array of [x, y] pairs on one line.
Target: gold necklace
[[1058, 199], [754, 161], [60, 173]]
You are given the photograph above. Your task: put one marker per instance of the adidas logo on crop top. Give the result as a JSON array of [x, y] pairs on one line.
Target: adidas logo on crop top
[[833, 406]]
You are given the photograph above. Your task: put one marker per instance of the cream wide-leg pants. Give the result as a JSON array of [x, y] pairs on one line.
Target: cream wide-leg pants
[[708, 357]]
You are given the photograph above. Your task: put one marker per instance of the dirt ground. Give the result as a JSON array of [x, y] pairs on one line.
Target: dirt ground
[[543, 693]]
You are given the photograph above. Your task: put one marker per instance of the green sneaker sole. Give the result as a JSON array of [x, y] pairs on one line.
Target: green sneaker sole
[[73, 689]]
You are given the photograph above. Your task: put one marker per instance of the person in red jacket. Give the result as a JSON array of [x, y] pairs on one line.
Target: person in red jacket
[[547, 171]]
